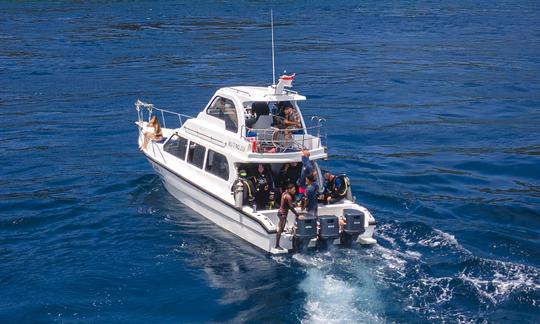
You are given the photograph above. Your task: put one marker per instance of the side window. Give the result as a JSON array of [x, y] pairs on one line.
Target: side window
[[224, 109], [176, 146], [196, 154], [217, 164]]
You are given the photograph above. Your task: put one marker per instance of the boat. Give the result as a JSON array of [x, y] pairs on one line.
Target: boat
[[206, 161]]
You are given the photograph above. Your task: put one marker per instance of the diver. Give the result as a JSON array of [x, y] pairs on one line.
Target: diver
[[272, 203], [335, 188], [263, 186], [289, 173]]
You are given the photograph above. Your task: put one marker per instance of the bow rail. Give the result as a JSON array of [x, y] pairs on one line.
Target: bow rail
[[145, 111]]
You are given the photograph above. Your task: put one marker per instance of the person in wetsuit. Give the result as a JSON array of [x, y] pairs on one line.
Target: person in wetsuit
[[289, 173], [335, 188], [285, 205], [263, 185], [272, 203]]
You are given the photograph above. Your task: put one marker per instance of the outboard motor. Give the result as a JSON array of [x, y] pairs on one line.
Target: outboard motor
[[328, 230], [306, 229], [354, 226]]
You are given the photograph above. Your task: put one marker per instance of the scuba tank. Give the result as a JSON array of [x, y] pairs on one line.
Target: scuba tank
[[348, 194], [242, 190], [238, 190], [345, 190]]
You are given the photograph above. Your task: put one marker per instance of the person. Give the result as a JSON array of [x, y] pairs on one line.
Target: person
[[262, 181], [225, 111], [335, 188], [285, 205], [291, 117], [289, 173], [311, 204], [307, 168], [288, 123], [271, 201], [152, 132]]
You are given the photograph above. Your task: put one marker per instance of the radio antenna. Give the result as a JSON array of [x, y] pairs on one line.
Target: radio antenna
[[273, 62]]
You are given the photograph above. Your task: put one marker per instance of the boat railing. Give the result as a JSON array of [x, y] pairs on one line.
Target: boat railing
[[145, 111], [241, 91], [277, 140]]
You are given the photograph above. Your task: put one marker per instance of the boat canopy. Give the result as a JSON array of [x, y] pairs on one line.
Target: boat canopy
[[262, 94]]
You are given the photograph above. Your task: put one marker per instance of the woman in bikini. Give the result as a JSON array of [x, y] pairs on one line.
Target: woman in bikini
[[152, 132]]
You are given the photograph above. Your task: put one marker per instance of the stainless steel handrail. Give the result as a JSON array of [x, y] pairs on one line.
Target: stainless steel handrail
[[150, 107], [275, 140], [240, 91]]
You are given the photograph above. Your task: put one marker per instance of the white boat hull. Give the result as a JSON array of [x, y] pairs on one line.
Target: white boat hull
[[210, 195], [215, 210]]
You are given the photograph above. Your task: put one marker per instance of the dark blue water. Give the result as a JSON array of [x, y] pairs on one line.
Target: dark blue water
[[432, 109]]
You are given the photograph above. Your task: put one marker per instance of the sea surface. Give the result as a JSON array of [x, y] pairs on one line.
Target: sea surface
[[432, 108]]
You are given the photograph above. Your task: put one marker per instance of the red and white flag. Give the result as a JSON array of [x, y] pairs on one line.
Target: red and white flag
[[287, 80]]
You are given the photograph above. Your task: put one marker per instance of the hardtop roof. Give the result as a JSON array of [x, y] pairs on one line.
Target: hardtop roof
[[247, 93]]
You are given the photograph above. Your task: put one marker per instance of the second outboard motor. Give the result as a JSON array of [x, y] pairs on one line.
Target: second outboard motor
[[354, 226], [306, 229], [328, 230]]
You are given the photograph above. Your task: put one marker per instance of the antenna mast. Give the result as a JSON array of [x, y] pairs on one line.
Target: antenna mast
[[273, 63]]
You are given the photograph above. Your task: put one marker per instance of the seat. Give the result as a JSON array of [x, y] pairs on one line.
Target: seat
[[260, 108], [263, 122]]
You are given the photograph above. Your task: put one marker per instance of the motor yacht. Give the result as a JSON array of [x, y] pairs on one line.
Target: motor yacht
[[210, 163]]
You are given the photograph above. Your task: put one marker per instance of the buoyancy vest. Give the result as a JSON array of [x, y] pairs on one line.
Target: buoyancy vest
[[249, 189], [338, 188]]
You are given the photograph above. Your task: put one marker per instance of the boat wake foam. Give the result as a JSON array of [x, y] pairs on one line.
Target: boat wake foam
[[445, 274], [337, 289], [419, 269]]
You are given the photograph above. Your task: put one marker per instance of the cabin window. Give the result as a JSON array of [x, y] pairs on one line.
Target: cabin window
[[217, 164], [176, 146], [224, 109], [196, 154]]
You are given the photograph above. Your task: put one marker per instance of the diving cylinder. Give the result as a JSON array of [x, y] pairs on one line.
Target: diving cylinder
[[349, 194], [238, 194]]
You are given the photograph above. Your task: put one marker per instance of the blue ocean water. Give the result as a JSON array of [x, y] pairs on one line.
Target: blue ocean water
[[432, 109]]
